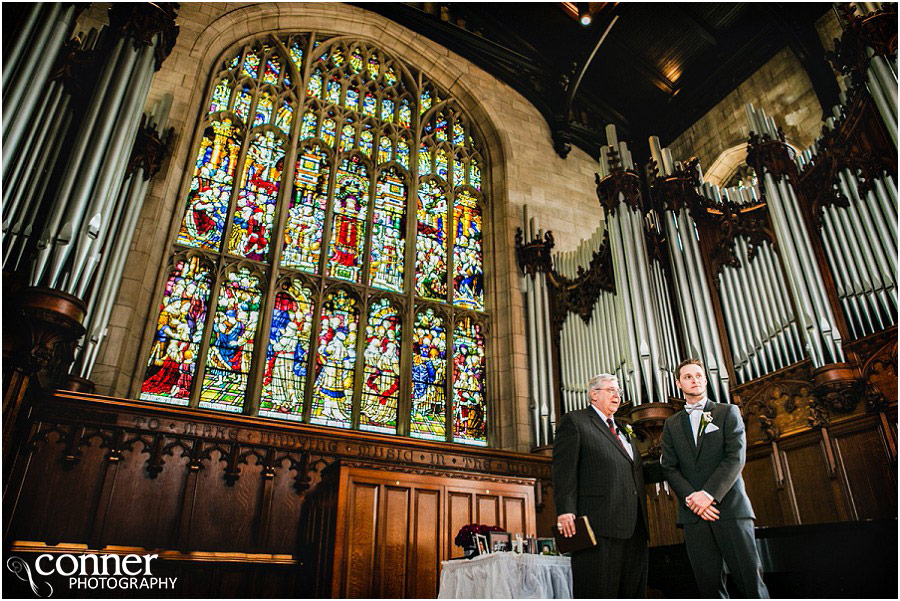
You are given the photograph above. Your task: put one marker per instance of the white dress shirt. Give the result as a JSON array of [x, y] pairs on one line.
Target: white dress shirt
[[695, 416], [625, 442]]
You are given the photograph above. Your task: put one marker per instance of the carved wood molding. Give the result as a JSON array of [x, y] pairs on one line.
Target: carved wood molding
[[150, 149], [143, 22], [876, 30], [534, 256], [624, 182], [797, 398], [579, 295], [166, 432]]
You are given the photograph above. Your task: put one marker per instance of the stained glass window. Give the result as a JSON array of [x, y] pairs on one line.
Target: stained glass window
[[429, 359], [173, 355], [468, 383], [381, 374], [287, 355], [386, 267], [468, 278], [255, 211], [431, 241], [372, 151], [306, 216], [348, 233], [231, 343], [204, 219], [332, 403]]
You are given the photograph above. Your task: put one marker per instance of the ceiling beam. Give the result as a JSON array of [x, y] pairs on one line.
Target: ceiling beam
[[700, 25]]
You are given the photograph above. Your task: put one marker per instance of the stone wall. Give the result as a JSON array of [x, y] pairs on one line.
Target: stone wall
[[524, 170]]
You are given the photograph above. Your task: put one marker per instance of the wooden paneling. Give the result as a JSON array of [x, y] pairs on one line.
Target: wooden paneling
[[460, 514], [762, 488], [391, 527], [870, 480], [225, 515], [817, 494], [425, 558], [286, 503], [662, 511], [393, 552]]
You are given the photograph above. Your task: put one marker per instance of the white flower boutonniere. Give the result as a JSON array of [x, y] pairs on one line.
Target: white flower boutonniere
[[705, 420], [629, 431]]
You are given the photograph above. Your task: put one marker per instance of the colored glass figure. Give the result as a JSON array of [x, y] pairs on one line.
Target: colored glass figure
[[220, 97], [440, 128], [365, 141], [332, 401], [284, 379], [381, 374], [348, 232], [374, 66], [405, 118], [306, 215], [287, 80], [352, 99], [314, 85], [387, 110], [251, 64], [284, 117], [424, 160], [356, 61], [182, 315], [429, 127], [348, 134], [296, 53], [369, 104], [235, 61], [429, 367], [424, 101], [431, 242], [333, 93], [308, 127], [459, 134], [390, 78], [324, 56], [468, 272], [440, 163], [242, 103], [384, 150], [263, 109], [255, 211], [337, 57], [211, 185], [231, 343], [328, 127], [403, 153], [273, 70], [388, 226], [468, 384], [474, 174], [459, 171]]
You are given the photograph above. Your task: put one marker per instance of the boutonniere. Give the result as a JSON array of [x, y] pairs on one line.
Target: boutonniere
[[705, 420], [628, 431]]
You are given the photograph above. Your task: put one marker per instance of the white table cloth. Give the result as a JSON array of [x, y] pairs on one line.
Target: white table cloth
[[507, 576]]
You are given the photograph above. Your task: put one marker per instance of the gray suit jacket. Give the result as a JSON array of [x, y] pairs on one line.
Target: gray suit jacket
[[714, 464], [593, 475]]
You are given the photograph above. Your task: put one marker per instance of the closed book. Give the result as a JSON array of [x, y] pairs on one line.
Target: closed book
[[582, 539]]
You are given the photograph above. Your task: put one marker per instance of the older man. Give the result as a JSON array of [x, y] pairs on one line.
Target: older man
[[597, 472], [703, 453]]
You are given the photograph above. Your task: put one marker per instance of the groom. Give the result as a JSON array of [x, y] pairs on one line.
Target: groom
[[703, 453]]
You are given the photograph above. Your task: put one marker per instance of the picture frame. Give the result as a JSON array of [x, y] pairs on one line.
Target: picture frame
[[482, 542], [546, 546], [499, 542], [532, 545]]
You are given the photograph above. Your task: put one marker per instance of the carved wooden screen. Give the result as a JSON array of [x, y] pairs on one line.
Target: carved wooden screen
[[328, 267]]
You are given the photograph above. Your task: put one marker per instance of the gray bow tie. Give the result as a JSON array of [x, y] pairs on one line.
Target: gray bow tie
[[694, 407]]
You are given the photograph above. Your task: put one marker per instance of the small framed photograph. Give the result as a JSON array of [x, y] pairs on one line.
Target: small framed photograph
[[532, 545], [483, 547], [499, 541], [546, 546]]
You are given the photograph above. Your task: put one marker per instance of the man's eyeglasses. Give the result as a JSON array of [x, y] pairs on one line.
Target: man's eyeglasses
[[616, 391]]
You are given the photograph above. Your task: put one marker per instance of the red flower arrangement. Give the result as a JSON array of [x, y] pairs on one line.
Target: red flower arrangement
[[465, 536]]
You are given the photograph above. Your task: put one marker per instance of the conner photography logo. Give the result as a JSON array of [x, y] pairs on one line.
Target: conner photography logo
[[89, 571]]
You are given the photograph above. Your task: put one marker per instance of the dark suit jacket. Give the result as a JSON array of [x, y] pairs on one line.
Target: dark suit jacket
[[593, 476], [714, 464]]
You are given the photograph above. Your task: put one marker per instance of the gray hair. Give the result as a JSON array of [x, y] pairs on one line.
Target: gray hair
[[597, 380]]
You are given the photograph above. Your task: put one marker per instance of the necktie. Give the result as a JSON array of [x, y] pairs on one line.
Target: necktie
[[612, 428], [694, 407]]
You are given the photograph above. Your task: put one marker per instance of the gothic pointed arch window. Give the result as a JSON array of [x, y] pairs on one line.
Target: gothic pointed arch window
[[328, 266]]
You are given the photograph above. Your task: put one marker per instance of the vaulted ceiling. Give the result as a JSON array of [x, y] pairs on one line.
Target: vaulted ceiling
[[658, 68]]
